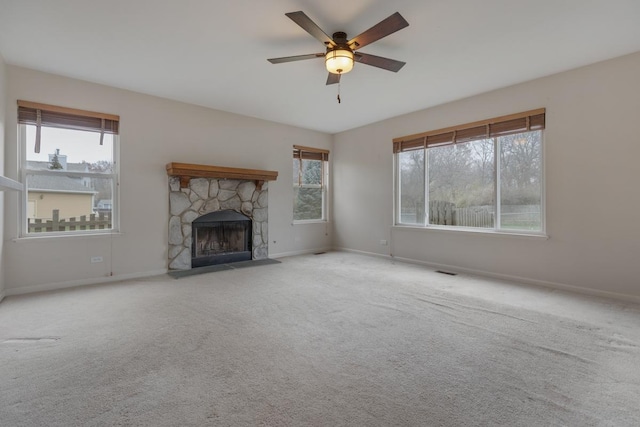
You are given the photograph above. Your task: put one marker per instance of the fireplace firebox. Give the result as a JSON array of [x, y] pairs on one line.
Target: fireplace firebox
[[219, 238]]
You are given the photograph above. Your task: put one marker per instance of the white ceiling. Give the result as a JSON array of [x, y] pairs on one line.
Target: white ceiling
[[214, 52]]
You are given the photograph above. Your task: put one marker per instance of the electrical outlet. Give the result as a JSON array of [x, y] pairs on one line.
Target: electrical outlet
[[95, 259], [383, 242]]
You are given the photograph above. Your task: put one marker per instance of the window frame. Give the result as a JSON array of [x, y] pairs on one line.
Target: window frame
[[25, 172], [496, 229], [310, 153]]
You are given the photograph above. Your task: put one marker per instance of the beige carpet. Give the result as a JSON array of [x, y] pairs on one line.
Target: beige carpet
[[327, 340]]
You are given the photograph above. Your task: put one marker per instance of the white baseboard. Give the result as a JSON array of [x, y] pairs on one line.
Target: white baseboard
[[301, 252], [97, 280], [355, 251], [81, 282], [506, 277], [437, 266]]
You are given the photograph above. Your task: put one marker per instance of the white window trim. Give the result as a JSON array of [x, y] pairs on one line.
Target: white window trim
[[542, 233], [325, 197], [24, 171]]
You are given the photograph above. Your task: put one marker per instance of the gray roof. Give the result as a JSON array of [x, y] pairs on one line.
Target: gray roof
[[71, 167], [60, 183]]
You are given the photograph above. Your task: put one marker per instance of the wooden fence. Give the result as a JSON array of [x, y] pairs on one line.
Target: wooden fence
[[101, 221], [441, 212], [474, 217], [446, 213], [524, 217]]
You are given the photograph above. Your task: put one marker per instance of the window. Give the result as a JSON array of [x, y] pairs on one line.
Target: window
[[484, 175], [310, 176], [69, 167]]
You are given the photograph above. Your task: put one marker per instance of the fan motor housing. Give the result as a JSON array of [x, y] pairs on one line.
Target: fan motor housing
[[340, 37]]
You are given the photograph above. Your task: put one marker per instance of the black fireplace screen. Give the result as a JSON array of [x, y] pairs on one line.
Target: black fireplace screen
[[219, 238]]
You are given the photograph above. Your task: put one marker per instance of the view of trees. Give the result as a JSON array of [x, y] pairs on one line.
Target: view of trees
[[55, 162], [101, 166], [412, 186], [463, 175], [521, 169]]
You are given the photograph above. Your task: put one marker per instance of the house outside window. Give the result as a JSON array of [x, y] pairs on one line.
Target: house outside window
[[485, 176], [68, 165], [310, 179]]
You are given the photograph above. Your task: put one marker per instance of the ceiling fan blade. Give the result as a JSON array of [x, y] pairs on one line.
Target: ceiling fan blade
[[379, 61], [382, 29], [310, 27], [333, 79], [295, 58]]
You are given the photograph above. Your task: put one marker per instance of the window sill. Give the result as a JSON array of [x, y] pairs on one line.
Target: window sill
[[476, 231], [310, 221], [7, 184], [51, 236]]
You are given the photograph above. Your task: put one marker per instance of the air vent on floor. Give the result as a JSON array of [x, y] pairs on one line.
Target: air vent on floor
[[448, 273]]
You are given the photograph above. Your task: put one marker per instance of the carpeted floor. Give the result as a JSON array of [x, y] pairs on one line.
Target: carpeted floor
[[330, 340]]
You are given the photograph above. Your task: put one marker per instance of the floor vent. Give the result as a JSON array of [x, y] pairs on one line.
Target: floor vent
[[448, 273]]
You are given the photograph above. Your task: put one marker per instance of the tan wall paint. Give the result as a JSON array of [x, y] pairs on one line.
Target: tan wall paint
[[592, 197], [69, 205], [585, 107], [154, 132]]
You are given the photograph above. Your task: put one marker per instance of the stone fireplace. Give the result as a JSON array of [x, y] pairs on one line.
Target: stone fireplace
[[217, 215]]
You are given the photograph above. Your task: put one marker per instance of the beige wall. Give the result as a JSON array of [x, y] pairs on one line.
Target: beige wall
[[69, 205], [591, 159], [154, 132]]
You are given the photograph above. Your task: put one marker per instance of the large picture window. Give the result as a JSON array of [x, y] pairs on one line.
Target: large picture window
[[484, 175], [310, 176], [69, 167]]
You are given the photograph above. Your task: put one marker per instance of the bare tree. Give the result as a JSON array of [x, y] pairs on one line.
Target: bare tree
[[520, 172]]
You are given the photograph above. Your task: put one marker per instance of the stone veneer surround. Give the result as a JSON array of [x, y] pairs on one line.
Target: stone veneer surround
[[206, 195]]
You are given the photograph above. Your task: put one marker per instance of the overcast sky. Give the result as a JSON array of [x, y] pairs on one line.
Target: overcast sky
[[76, 145]]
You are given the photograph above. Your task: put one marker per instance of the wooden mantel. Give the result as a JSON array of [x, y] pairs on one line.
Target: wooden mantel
[[186, 171]]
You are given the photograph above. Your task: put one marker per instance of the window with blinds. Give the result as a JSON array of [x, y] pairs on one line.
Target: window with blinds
[[310, 176], [69, 168], [485, 175]]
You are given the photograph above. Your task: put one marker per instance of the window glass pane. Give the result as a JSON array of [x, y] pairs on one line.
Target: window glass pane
[[311, 172], [461, 184], [520, 181], [74, 148], [308, 197], [307, 203], [64, 190], [103, 197], [296, 171], [70, 206], [411, 171]]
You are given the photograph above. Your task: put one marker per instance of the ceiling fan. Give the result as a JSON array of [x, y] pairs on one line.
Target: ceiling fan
[[340, 52]]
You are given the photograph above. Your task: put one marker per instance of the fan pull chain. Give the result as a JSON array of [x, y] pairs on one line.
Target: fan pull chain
[[338, 92]]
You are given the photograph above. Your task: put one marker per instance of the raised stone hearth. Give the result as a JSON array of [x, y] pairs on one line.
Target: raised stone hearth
[[190, 198]]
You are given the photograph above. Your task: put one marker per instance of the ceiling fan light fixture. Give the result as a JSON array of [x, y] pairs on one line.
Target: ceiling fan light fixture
[[339, 61]]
